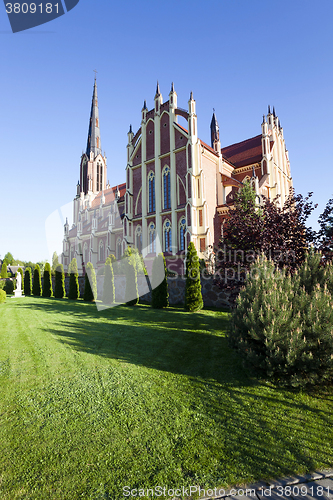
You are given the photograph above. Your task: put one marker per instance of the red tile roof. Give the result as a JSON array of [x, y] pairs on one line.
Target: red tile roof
[[208, 147], [109, 195], [245, 152]]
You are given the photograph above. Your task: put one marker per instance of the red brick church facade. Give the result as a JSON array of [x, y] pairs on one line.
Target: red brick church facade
[[177, 188]]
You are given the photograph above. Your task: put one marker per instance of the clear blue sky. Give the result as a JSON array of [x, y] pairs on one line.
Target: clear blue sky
[[236, 56]]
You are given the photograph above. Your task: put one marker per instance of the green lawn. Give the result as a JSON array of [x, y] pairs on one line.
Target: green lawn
[[92, 402]]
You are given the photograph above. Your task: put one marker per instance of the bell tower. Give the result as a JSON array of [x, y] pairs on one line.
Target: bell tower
[[93, 169]]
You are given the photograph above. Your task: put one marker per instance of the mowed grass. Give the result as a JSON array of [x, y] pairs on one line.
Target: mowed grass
[[92, 402]]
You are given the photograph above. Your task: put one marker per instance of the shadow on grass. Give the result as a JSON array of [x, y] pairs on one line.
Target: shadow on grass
[[265, 429]]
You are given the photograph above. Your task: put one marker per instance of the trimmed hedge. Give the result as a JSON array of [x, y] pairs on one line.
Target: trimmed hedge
[[131, 290], [108, 288], [193, 295], [90, 285], [159, 294], [27, 282], [74, 289], [2, 296], [47, 281], [59, 285], [37, 282]]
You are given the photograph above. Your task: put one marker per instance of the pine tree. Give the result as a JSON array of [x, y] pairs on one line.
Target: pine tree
[[193, 296], [37, 283], [74, 289], [90, 285], [47, 282], [131, 290], [160, 294], [108, 288], [4, 273], [27, 282], [59, 287]]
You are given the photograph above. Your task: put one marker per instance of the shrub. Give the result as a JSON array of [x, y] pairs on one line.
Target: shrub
[[37, 283], [131, 290], [27, 282], [90, 285], [160, 294], [2, 296], [47, 282], [4, 273], [282, 325], [9, 286], [193, 296], [108, 288], [74, 289], [59, 286]]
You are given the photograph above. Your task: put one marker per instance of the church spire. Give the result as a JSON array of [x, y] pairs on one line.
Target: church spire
[[94, 138], [214, 130]]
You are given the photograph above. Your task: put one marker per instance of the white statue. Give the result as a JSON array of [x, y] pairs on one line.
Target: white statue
[[18, 281]]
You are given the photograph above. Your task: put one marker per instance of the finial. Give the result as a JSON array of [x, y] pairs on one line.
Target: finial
[[158, 89], [253, 172], [66, 220], [269, 109], [130, 130], [144, 105], [172, 87], [191, 96], [263, 118], [274, 112], [95, 71]]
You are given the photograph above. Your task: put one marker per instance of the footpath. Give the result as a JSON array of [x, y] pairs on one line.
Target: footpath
[[318, 485]]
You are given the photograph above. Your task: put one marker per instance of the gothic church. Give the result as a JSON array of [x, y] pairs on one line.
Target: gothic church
[[177, 188]]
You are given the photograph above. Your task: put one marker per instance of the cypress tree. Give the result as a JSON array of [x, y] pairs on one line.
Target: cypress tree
[[193, 296], [74, 290], [27, 282], [90, 285], [47, 282], [131, 290], [59, 287], [37, 282], [4, 273], [160, 294], [108, 288]]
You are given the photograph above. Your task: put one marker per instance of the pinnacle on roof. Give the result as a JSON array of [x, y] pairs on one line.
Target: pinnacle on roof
[[172, 87], [253, 172], [130, 130], [144, 105], [274, 112], [191, 96], [94, 140], [158, 89], [269, 109], [263, 118], [214, 129]]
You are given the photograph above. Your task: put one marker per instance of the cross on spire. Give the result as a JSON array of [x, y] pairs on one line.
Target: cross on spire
[[95, 71]]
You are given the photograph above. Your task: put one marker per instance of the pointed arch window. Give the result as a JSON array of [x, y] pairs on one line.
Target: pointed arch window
[[182, 233], [101, 251], [167, 187], [167, 236], [152, 238], [119, 249], [151, 189], [138, 238]]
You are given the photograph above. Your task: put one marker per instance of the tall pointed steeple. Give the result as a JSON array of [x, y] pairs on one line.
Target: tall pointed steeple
[[94, 137], [214, 130]]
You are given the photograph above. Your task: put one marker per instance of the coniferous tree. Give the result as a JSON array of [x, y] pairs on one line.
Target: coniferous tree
[[47, 281], [4, 273], [74, 289], [131, 290], [90, 285], [160, 294], [59, 286], [37, 282], [27, 282], [193, 295], [108, 287], [55, 261]]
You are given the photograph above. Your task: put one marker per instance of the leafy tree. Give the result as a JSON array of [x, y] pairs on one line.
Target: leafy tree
[[193, 296], [4, 273], [131, 290], [59, 286], [325, 234], [74, 289], [37, 282], [108, 288], [47, 282], [160, 294], [27, 282], [9, 258], [20, 270], [55, 261], [2, 296], [90, 285]]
